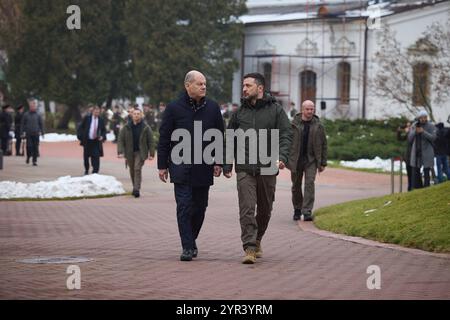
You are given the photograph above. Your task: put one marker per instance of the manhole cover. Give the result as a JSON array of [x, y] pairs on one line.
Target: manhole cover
[[56, 260]]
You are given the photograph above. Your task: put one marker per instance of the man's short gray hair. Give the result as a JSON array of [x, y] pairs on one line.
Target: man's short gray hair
[[190, 76]]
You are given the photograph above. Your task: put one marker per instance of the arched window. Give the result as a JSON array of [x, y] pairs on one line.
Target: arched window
[[307, 86], [267, 72], [421, 79], [343, 82]]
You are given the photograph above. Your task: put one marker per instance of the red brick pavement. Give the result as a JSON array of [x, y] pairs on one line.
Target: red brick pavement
[[135, 246]]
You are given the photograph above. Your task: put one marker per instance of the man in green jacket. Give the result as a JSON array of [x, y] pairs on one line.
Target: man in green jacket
[[256, 186], [136, 145], [308, 155]]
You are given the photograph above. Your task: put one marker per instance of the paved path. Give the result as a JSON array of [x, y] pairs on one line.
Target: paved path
[[135, 246]]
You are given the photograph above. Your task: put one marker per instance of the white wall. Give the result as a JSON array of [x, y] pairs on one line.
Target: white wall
[[284, 38]]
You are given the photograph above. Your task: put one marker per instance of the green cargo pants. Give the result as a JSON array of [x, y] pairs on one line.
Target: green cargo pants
[[254, 191], [304, 201]]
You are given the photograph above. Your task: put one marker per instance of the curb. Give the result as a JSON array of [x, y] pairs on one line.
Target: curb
[[310, 227]]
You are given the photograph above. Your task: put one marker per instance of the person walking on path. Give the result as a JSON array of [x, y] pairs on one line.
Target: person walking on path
[[402, 135], [17, 122], [6, 126], [422, 136], [136, 145], [442, 150], [32, 127], [191, 180], [307, 156], [92, 134], [259, 111]]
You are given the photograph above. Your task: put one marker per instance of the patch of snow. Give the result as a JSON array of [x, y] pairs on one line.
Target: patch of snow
[[63, 187], [58, 137]]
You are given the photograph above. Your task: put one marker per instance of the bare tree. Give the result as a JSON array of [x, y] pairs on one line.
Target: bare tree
[[395, 78]]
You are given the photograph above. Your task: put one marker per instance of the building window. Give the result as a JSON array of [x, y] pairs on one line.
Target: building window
[[343, 82], [267, 72], [307, 86], [421, 78]]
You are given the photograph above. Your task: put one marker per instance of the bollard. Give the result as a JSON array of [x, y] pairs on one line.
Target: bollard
[[393, 174]]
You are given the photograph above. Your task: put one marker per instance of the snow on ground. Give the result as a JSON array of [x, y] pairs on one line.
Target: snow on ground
[[62, 137], [377, 163], [63, 187]]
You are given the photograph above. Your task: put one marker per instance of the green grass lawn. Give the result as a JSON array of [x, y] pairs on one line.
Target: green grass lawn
[[418, 219]]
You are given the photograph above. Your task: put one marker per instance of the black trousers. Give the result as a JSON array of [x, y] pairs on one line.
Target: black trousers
[[33, 147], [4, 144], [417, 182], [92, 151], [18, 143], [191, 208]]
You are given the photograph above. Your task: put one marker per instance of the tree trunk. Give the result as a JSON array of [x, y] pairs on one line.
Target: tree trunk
[[72, 112]]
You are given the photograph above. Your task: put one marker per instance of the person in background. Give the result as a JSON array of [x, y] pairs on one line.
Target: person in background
[[308, 155], [32, 127], [402, 135], [17, 121], [441, 150], [422, 136], [92, 134], [6, 126], [136, 145]]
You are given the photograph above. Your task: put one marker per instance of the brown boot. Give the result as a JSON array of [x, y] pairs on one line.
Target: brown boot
[[259, 251], [250, 256]]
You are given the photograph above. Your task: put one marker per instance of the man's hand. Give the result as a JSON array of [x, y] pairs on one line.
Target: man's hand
[[100, 138], [150, 158], [281, 165], [419, 129], [217, 171], [321, 169], [228, 174], [163, 175], [120, 155]]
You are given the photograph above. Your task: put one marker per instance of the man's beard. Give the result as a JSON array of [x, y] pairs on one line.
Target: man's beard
[[251, 97]]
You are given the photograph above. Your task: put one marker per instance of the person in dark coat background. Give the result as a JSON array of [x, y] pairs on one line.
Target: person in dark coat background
[[191, 181], [441, 151], [31, 128], [5, 128], [92, 134], [17, 121]]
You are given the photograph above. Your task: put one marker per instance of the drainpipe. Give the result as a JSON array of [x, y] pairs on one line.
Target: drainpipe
[[365, 72]]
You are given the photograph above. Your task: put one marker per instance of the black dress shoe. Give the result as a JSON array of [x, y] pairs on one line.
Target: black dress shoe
[[35, 164], [28, 160], [136, 194], [297, 215], [194, 253], [186, 255]]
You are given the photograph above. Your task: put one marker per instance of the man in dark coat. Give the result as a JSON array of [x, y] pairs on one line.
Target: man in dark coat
[[5, 128], [92, 134], [17, 121], [191, 179], [32, 127]]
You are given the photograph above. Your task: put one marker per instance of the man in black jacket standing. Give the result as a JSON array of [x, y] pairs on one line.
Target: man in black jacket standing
[[191, 180], [32, 127], [5, 128], [92, 134], [17, 121]]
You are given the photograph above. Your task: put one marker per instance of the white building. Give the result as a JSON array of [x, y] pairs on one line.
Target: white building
[[325, 51]]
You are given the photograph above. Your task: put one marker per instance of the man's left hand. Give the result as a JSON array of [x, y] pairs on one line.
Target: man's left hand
[[321, 169], [217, 171], [281, 165], [150, 158]]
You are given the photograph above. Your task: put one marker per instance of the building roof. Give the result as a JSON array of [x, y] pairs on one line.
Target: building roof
[[270, 11]]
